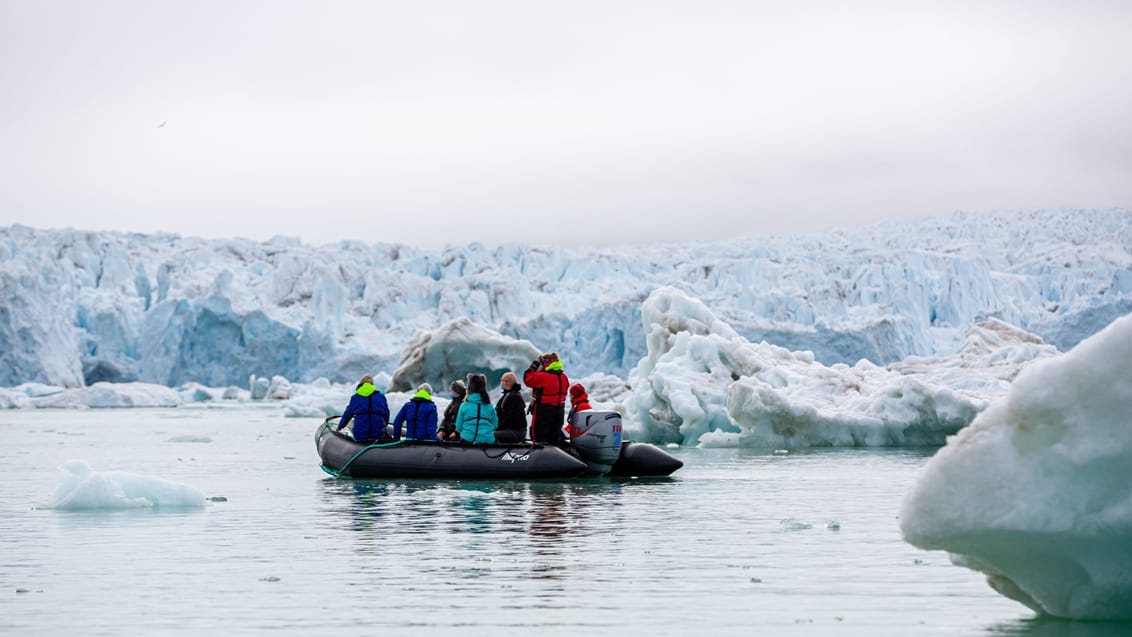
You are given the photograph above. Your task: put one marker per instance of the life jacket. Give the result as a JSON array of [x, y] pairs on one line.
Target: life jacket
[[477, 425], [548, 387]]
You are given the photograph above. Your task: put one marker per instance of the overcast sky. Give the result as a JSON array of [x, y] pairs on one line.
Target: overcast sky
[[569, 122]]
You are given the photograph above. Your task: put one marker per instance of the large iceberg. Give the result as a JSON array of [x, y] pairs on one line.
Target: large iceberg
[[1036, 492], [702, 382], [457, 348], [82, 307]]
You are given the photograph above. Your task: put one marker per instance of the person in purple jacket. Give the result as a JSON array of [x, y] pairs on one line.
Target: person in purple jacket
[[368, 410], [418, 415]]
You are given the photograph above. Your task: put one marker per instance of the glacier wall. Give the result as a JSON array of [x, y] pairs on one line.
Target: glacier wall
[[81, 307]]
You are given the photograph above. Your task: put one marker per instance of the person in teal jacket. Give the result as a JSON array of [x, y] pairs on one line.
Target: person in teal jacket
[[476, 421]]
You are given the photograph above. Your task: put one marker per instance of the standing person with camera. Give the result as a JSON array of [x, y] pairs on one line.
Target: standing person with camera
[[548, 385]]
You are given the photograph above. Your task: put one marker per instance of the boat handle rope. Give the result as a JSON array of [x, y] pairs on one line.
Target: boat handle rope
[[338, 473], [508, 450]]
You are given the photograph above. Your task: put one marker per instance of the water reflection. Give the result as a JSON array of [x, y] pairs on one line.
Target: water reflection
[[542, 519], [1052, 627]]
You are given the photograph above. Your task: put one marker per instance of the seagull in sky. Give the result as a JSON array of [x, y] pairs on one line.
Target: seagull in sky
[[161, 125]]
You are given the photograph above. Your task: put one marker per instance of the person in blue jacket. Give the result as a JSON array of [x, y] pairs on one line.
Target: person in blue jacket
[[476, 421], [368, 410], [418, 415]]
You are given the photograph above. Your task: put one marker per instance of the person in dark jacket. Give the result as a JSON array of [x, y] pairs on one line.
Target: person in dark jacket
[[448, 426], [418, 416], [511, 411], [548, 384], [368, 410], [579, 401]]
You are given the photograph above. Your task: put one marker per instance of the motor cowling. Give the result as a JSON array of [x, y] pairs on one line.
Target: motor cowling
[[597, 437]]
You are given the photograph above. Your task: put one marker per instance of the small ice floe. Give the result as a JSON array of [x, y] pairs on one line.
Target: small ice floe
[[189, 438], [781, 452], [269, 579], [81, 487], [833, 525], [793, 524]]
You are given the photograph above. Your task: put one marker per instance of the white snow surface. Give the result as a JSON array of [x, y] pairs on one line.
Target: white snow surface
[[82, 307], [1035, 492]]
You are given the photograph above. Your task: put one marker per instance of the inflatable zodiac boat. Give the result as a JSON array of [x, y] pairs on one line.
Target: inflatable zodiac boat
[[596, 439]]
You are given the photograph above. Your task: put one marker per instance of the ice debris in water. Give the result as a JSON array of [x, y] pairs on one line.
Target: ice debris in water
[[189, 438], [833, 525], [81, 487], [793, 524]]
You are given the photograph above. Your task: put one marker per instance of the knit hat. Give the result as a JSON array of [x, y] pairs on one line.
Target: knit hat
[[458, 387], [577, 391], [425, 387], [366, 379]]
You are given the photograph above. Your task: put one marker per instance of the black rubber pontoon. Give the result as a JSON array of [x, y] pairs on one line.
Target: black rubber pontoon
[[639, 459], [344, 456]]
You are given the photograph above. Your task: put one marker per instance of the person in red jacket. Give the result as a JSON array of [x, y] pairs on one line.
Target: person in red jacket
[[579, 401], [548, 385]]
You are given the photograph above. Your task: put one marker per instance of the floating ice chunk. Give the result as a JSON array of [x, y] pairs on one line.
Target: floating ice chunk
[[258, 387], [189, 438], [792, 524], [1035, 493], [81, 487], [279, 389], [113, 395], [701, 381], [14, 400], [196, 393]]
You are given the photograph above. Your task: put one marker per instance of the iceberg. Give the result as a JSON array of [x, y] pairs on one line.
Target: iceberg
[[703, 383], [456, 349], [1035, 492]]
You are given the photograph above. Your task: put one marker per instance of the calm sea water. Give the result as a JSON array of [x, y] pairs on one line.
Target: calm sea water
[[737, 542]]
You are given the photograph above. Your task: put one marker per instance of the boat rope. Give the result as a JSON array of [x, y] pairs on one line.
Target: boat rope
[[509, 449], [339, 472]]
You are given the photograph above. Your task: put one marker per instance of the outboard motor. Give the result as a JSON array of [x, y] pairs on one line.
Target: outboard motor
[[597, 437]]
